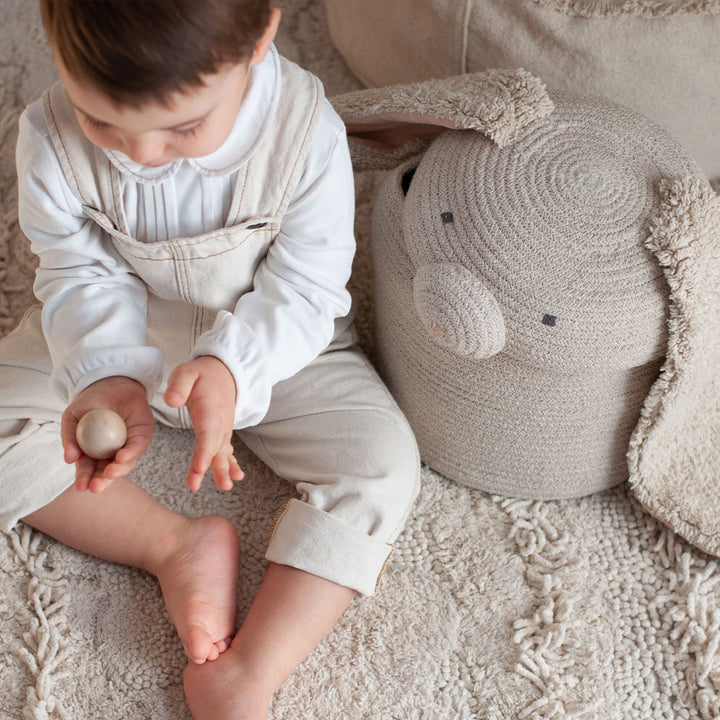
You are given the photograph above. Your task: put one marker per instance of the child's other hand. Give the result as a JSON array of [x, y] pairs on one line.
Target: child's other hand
[[126, 397], [207, 387]]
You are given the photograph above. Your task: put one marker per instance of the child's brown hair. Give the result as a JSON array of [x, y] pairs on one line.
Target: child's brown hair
[[135, 51]]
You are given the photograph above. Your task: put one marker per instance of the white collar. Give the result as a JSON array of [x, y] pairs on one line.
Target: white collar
[[251, 122]]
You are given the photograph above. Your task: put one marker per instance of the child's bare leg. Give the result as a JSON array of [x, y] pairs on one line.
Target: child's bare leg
[[290, 615], [196, 560]]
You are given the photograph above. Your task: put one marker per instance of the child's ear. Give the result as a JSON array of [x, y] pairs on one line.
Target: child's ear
[[263, 44]]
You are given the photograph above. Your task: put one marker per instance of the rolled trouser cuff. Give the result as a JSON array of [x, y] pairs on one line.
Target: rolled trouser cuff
[[312, 540]]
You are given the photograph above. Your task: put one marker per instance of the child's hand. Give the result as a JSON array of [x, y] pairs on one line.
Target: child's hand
[[126, 397], [207, 387]]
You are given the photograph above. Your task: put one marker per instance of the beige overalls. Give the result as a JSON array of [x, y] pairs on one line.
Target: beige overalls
[[332, 429]]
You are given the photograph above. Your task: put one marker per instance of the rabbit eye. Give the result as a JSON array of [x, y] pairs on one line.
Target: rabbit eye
[[447, 217], [549, 320]]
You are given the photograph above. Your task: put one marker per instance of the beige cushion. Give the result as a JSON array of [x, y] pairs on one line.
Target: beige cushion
[[657, 57]]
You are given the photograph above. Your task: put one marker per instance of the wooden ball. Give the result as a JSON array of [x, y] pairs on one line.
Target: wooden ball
[[101, 433]]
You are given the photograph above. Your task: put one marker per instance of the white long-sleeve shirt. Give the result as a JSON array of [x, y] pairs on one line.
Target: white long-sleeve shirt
[[90, 300]]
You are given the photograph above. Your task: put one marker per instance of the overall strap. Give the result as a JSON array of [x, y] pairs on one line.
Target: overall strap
[[265, 185], [91, 176]]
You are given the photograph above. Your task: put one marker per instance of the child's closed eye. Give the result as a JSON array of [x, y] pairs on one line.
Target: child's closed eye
[[189, 131], [183, 132], [97, 124]]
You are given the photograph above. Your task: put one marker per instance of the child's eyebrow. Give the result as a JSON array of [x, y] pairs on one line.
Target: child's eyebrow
[[187, 124]]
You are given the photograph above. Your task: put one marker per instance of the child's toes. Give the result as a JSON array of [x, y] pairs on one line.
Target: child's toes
[[198, 645], [223, 645]]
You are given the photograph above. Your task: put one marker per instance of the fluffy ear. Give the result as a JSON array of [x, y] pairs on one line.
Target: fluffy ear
[[387, 125], [674, 454]]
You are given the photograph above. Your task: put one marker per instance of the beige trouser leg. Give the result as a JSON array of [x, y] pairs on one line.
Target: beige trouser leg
[[336, 433], [32, 470]]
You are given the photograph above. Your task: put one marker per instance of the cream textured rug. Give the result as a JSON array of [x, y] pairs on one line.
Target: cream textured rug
[[491, 608]]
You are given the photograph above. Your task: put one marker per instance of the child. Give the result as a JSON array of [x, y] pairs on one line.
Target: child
[[189, 196]]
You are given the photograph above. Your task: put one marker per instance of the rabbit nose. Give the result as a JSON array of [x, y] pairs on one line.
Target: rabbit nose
[[458, 310]]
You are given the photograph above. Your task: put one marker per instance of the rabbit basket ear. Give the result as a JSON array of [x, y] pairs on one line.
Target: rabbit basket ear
[[674, 455], [387, 125]]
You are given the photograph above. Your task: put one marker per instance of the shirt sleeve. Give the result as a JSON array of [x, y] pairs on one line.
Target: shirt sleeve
[[94, 307], [300, 287]]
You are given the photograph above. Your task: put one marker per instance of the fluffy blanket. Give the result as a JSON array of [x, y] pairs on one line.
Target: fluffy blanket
[[491, 607]]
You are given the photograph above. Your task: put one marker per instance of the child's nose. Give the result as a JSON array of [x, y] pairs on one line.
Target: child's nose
[[144, 150]]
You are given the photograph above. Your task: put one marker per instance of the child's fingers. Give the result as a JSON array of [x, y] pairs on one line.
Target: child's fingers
[[82, 480], [209, 440], [194, 480], [236, 472], [115, 470], [136, 445], [199, 463], [221, 471], [96, 475], [99, 483], [68, 427], [72, 453], [180, 384], [226, 470], [85, 469]]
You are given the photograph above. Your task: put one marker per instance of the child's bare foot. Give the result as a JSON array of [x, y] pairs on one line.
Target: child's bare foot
[[226, 690], [198, 576], [291, 613]]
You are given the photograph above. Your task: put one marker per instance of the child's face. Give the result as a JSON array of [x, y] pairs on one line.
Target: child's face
[[193, 124]]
